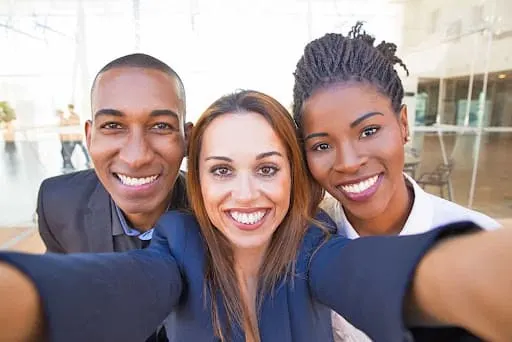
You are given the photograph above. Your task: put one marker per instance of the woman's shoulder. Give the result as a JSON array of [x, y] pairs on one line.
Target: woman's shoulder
[[180, 224], [446, 212], [181, 233], [318, 231], [177, 217], [441, 212], [330, 205], [321, 225]]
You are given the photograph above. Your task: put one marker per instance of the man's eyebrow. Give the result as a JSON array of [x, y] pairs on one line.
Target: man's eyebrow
[[109, 112], [164, 112], [118, 113]]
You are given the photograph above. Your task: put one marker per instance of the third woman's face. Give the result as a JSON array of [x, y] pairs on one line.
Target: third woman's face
[[354, 147], [245, 178]]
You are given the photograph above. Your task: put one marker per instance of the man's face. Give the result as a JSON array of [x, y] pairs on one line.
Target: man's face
[[136, 139]]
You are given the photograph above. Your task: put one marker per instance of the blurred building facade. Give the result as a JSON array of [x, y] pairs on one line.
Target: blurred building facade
[[459, 91]]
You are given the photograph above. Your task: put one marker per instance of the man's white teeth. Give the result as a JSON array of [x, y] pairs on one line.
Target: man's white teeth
[[130, 181], [361, 186], [247, 218]]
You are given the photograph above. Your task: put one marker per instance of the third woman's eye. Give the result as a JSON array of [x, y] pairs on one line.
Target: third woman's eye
[[369, 131], [321, 147]]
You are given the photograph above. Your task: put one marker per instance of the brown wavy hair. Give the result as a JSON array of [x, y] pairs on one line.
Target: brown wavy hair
[[279, 262]]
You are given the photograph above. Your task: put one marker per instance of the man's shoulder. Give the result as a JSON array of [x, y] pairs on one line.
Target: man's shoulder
[[179, 198], [66, 187], [80, 179], [63, 206]]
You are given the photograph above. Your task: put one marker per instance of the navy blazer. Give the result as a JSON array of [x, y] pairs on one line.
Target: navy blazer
[[124, 296]]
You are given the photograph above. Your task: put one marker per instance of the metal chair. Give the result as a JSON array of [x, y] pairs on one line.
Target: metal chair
[[410, 169], [411, 164], [440, 177]]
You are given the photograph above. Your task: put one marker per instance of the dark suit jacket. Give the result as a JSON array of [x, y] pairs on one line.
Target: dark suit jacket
[[364, 280], [75, 215]]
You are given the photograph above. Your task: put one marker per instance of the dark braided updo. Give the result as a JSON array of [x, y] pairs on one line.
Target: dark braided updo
[[334, 59]]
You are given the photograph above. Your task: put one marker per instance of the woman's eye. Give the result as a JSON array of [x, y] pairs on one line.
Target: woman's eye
[[268, 171], [369, 131], [221, 171], [321, 147]]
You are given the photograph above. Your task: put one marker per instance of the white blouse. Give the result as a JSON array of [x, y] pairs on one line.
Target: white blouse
[[428, 212]]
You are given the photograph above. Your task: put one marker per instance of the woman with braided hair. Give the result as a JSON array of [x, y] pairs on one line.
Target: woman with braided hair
[[353, 125]]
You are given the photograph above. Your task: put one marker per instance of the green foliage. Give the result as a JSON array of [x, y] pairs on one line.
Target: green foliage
[[7, 114]]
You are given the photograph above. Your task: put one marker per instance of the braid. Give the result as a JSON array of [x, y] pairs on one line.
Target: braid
[[334, 58], [389, 51]]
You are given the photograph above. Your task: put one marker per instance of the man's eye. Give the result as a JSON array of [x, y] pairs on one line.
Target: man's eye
[[163, 125], [111, 125]]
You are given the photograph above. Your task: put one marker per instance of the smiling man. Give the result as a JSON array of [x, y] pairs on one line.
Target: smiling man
[[137, 141]]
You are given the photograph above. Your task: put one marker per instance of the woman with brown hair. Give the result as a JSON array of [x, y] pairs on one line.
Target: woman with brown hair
[[250, 195], [254, 265]]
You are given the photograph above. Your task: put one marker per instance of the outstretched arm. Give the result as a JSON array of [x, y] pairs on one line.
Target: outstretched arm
[[443, 277], [88, 297], [467, 281], [21, 315]]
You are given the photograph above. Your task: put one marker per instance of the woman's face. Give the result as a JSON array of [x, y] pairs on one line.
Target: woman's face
[[245, 178], [354, 147]]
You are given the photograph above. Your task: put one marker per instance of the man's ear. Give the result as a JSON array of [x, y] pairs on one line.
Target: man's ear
[[189, 126], [88, 132]]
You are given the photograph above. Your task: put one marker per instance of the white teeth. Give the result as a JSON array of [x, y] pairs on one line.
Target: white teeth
[[248, 218], [136, 181], [361, 186]]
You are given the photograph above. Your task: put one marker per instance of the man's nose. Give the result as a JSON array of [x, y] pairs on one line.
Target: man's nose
[[137, 150]]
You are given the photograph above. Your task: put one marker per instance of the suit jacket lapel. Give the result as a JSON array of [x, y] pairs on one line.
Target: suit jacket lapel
[[98, 221]]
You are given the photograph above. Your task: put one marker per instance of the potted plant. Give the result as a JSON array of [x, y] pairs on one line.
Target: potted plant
[[7, 116]]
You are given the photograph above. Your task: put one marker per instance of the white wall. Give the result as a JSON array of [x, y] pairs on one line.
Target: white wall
[[452, 42], [216, 46]]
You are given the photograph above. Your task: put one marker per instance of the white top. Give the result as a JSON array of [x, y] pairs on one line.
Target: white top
[[428, 212]]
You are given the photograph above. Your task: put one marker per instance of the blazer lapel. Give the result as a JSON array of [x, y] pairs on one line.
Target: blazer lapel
[[98, 221]]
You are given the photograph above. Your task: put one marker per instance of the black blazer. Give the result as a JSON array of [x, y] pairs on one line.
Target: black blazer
[[75, 215]]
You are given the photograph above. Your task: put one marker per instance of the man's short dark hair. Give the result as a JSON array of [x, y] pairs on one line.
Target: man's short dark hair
[[141, 60]]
